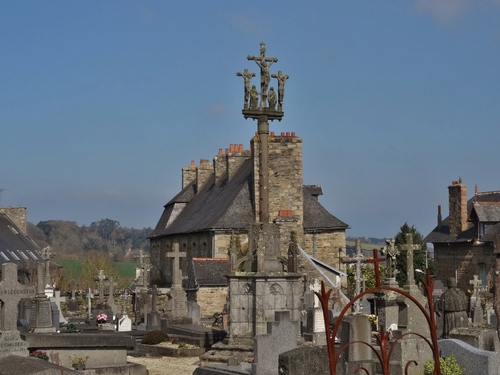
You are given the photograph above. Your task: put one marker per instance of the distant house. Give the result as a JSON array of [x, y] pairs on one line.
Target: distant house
[[221, 198], [463, 241], [16, 246]]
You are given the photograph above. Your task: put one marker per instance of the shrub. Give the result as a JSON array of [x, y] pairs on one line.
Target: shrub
[[449, 366], [154, 337]]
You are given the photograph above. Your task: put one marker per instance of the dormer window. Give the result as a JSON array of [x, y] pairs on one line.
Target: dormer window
[[480, 230]]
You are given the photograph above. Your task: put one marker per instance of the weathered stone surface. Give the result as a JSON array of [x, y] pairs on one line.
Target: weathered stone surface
[[472, 360], [307, 360], [15, 365]]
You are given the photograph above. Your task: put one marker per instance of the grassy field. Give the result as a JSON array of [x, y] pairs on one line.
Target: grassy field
[[73, 268]]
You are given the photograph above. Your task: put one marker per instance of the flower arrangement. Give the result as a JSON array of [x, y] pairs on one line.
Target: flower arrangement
[[39, 354], [78, 360], [102, 318], [373, 319]]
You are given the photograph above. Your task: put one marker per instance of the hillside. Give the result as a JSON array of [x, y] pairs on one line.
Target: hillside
[[69, 240]]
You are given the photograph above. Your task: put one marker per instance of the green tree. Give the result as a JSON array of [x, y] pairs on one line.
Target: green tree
[[421, 259], [367, 277]]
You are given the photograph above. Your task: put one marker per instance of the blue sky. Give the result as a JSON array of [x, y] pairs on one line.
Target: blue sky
[[103, 102]]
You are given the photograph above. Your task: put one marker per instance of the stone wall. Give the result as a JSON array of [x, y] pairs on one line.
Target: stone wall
[[465, 259], [327, 247], [211, 300]]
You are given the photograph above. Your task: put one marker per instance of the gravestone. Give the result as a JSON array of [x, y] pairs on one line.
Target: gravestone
[[11, 293], [47, 253], [153, 320], [57, 299], [41, 313], [281, 337], [476, 313], [411, 319], [355, 328], [472, 361], [124, 324], [111, 299], [100, 303], [358, 259], [73, 305], [315, 325], [90, 295], [177, 304]]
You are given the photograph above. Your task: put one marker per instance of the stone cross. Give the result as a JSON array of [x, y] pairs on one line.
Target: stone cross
[[72, 284], [90, 295], [57, 299], [358, 259], [125, 298], [409, 248], [101, 278], [176, 270], [143, 267], [47, 254], [476, 284], [264, 63], [11, 293]]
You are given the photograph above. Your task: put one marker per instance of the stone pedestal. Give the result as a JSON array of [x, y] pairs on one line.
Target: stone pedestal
[[411, 318], [387, 306], [355, 328], [254, 298]]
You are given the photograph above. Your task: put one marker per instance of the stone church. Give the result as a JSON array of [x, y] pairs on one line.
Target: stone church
[[221, 198]]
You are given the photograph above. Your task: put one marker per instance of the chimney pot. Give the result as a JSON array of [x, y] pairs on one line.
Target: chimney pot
[[192, 163], [287, 134], [282, 134], [293, 134]]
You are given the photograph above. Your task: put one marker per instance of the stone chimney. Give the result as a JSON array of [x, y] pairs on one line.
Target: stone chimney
[[220, 166], [203, 173], [17, 215], [188, 174], [235, 157], [457, 194]]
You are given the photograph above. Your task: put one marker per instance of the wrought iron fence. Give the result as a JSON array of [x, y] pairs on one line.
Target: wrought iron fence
[[385, 347]]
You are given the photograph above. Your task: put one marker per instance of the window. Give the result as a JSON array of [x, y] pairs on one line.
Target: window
[[482, 273], [480, 230]]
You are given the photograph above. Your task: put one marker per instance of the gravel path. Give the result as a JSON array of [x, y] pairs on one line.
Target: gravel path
[[167, 365]]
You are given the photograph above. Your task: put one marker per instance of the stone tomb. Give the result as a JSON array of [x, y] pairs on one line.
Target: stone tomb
[[11, 292]]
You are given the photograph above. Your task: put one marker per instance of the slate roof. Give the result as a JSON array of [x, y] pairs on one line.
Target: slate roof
[[228, 205], [211, 271], [316, 217], [483, 206], [16, 246]]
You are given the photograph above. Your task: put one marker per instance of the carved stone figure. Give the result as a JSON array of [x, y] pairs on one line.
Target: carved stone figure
[[247, 76], [453, 303], [264, 63], [281, 87], [254, 97], [391, 252], [271, 98]]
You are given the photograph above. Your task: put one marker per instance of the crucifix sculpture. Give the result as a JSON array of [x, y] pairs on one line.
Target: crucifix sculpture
[[263, 113], [263, 238]]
